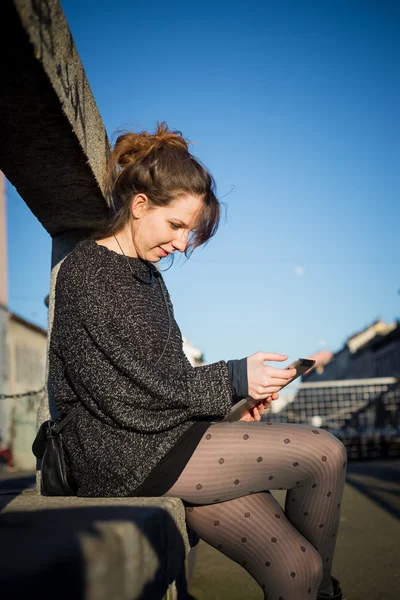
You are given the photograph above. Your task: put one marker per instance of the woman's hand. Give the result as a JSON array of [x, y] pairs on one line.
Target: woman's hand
[[256, 413], [263, 380]]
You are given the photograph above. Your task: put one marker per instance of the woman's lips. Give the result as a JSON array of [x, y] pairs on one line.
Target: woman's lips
[[162, 252]]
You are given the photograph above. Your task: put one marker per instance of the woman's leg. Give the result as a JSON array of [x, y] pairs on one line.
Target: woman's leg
[[234, 461], [254, 532]]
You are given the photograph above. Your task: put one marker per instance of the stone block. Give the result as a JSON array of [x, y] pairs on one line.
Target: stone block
[[91, 548]]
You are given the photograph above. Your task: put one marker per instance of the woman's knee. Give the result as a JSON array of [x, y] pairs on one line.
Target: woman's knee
[[306, 573], [312, 572], [316, 567], [337, 450]]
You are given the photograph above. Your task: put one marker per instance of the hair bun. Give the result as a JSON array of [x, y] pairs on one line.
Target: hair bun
[[171, 139], [131, 147]]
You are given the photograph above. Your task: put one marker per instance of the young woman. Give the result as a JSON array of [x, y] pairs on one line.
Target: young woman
[[151, 423]]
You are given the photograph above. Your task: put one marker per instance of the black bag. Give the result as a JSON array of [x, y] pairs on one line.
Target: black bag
[[57, 479]]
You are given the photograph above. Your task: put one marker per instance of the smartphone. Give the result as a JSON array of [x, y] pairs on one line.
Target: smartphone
[[247, 404], [301, 365]]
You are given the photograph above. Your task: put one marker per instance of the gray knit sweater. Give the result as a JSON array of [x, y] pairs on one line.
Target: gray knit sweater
[[109, 330]]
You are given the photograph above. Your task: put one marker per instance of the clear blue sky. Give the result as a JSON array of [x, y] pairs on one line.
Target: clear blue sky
[[294, 106]]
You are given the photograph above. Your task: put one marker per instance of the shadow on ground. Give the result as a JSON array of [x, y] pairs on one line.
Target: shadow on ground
[[16, 482], [379, 481]]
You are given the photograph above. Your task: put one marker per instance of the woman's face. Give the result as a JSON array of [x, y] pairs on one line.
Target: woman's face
[[158, 232]]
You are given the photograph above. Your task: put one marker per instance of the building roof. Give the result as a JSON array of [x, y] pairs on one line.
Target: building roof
[[383, 339], [362, 338], [17, 319]]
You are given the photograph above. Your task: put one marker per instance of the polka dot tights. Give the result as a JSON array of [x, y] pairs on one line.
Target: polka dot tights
[[226, 485]]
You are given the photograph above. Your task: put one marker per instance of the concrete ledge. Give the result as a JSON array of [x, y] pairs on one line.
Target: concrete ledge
[[53, 142], [91, 548]]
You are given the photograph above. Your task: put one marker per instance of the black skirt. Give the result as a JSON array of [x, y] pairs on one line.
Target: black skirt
[[168, 470]]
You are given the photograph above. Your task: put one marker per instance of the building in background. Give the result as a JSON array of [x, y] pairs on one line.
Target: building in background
[[195, 356], [24, 373], [354, 393], [4, 456], [372, 352], [22, 368], [3, 293]]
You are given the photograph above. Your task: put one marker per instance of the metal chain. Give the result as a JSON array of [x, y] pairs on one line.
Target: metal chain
[[22, 395]]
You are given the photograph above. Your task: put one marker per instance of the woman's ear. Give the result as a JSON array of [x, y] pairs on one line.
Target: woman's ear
[[139, 205]]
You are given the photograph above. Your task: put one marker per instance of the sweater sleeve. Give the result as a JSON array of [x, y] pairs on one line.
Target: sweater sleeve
[[110, 372], [237, 370]]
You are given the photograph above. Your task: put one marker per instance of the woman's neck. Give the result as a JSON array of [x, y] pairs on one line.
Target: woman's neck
[[120, 243]]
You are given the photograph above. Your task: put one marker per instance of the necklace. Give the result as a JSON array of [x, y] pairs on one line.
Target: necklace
[[130, 267], [163, 294]]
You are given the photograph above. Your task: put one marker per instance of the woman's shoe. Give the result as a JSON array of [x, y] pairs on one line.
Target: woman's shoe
[[337, 592]]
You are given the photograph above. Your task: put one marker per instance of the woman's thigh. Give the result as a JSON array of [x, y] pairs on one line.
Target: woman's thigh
[[236, 459]]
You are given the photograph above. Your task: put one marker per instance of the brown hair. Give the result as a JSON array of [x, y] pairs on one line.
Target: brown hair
[[160, 166]]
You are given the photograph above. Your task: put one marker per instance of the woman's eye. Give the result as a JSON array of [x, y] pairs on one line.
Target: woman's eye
[[175, 225]]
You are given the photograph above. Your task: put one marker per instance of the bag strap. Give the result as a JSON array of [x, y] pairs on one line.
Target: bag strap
[[58, 426]]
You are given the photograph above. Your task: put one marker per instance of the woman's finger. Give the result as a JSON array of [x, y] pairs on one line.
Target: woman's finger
[[272, 356], [280, 373], [267, 402], [268, 390], [256, 414], [275, 381]]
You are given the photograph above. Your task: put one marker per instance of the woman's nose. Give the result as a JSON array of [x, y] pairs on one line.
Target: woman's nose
[[180, 242]]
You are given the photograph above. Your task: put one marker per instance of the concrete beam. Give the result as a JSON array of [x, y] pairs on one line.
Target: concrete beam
[[53, 143]]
